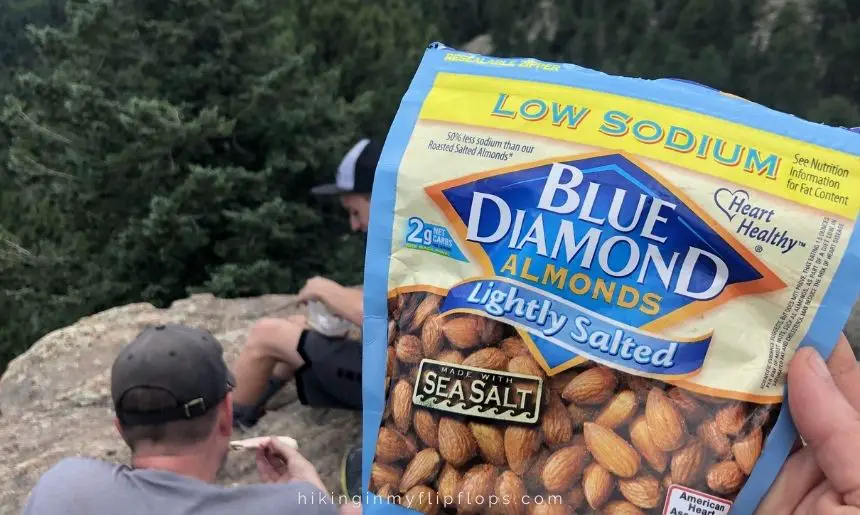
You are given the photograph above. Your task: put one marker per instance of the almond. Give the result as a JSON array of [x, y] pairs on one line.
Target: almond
[[490, 330], [451, 356], [725, 477], [619, 410], [560, 380], [456, 443], [621, 508], [611, 451], [597, 485], [594, 386], [710, 433], [475, 489], [382, 474], [667, 481], [521, 445], [549, 508], [392, 332], [463, 332], [556, 425], [392, 446], [578, 415], [490, 358], [687, 463], [665, 424], [514, 346], [511, 491], [641, 439], [422, 499], [525, 365], [731, 418], [639, 385], [491, 443], [427, 307], [689, 406], [643, 491], [747, 450], [563, 468], [408, 349], [401, 405], [432, 338], [532, 476], [421, 469], [385, 491], [448, 484]]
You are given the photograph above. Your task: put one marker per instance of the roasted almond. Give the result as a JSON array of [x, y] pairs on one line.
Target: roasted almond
[[665, 424], [731, 418], [491, 443], [594, 386], [448, 484], [450, 356], [525, 365], [560, 381], [392, 446], [643, 491], [408, 349], [421, 469], [511, 491], [491, 330], [619, 410], [432, 338], [575, 497], [475, 488], [392, 331], [401, 405], [710, 433], [621, 508], [386, 491], [725, 477], [578, 415], [686, 463], [489, 358], [426, 427], [422, 499], [549, 508], [688, 405], [563, 468], [555, 422], [382, 474], [597, 485], [532, 476], [611, 451], [456, 443], [514, 346], [427, 307], [463, 332], [521, 445], [747, 450], [641, 439], [391, 362]]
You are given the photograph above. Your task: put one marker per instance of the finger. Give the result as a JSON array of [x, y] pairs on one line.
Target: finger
[[264, 468], [822, 500], [798, 476], [825, 419], [846, 374]]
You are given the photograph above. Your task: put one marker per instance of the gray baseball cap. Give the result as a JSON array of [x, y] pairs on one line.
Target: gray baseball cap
[[185, 362]]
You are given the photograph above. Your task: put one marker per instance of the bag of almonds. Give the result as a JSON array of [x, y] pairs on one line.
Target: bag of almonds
[[582, 290]]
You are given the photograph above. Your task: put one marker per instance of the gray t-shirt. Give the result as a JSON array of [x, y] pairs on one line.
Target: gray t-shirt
[[80, 486]]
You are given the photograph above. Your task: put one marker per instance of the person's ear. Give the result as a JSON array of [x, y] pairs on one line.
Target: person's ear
[[225, 416]]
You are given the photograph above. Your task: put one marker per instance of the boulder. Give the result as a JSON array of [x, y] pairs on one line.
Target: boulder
[[55, 398]]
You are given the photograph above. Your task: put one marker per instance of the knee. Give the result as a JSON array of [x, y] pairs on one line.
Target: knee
[[269, 332]]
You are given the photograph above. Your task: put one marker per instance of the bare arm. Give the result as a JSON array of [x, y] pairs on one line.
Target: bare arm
[[347, 303]]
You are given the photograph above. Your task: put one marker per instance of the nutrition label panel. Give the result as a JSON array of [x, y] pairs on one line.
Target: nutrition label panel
[[820, 260]]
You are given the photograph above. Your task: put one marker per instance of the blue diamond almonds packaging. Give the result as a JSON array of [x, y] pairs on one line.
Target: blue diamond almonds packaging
[[582, 290]]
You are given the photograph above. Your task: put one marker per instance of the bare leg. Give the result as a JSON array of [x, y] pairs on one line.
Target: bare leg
[[272, 347]]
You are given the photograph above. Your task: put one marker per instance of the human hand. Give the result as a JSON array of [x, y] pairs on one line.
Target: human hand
[[823, 477], [280, 463], [318, 288]]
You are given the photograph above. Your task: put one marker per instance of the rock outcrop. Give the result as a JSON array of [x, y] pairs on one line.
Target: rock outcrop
[[55, 398]]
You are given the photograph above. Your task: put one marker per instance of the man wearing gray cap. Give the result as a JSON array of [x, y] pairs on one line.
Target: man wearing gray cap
[[172, 396]]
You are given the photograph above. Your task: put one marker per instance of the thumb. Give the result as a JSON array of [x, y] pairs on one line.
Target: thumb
[[826, 420]]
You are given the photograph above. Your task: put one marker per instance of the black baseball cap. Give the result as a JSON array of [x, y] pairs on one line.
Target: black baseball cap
[[356, 170], [185, 362]]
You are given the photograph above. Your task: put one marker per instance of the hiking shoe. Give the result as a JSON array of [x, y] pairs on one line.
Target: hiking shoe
[[350, 472]]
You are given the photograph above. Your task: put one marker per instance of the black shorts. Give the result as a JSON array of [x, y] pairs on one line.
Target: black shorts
[[331, 375]]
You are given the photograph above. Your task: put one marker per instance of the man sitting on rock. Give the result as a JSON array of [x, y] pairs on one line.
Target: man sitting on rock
[[172, 397], [326, 370]]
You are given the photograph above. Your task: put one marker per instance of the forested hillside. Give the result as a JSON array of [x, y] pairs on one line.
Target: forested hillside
[[151, 149]]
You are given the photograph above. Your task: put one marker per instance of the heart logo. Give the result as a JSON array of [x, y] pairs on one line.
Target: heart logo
[[723, 198]]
